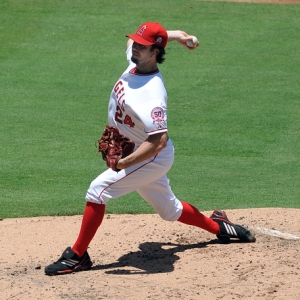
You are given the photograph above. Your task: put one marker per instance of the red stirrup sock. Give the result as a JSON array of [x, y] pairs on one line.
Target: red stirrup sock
[[192, 216], [92, 219]]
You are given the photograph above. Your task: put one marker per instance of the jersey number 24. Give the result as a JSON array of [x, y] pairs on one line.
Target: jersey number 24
[[123, 119]]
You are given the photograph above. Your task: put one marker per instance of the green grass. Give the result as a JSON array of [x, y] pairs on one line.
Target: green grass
[[233, 103]]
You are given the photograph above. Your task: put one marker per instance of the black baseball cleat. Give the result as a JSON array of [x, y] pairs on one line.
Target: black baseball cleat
[[229, 230], [69, 262]]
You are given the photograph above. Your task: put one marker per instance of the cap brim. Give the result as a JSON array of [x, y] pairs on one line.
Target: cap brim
[[138, 39]]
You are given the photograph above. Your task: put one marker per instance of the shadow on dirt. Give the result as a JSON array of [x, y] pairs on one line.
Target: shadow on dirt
[[151, 258]]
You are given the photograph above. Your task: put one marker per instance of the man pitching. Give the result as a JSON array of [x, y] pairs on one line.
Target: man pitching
[[138, 109]]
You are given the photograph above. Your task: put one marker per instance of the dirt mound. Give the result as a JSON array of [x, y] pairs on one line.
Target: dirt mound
[[144, 257]]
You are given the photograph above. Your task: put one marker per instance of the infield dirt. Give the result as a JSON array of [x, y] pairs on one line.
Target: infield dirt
[[143, 257]]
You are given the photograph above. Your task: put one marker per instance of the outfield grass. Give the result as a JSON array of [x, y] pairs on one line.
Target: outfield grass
[[233, 103]]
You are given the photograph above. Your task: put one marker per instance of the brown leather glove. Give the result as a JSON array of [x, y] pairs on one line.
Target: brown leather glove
[[113, 146]]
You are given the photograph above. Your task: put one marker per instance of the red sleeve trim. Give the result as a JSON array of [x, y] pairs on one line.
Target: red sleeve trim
[[156, 131]]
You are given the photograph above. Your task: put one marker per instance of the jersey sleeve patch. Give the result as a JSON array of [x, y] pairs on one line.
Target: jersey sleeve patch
[[157, 115]]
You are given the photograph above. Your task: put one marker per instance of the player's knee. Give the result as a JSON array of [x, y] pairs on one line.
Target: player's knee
[[171, 214]]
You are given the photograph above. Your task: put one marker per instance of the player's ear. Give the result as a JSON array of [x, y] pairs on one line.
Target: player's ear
[[155, 51]]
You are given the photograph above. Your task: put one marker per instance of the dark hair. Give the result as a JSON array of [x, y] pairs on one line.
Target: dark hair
[[160, 57]]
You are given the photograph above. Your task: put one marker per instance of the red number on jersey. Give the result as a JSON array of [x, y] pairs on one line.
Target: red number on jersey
[[118, 115], [127, 119]]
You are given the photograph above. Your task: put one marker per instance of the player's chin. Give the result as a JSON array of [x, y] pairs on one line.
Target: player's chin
[[134, 59]]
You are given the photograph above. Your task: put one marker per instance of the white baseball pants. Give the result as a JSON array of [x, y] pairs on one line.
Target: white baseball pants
[[147, 178]]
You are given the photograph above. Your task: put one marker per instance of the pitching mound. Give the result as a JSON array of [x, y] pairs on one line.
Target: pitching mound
[[144, 257]]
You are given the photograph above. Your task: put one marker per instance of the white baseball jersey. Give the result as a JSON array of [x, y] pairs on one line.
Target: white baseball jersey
[[137, 107], [138, 104]]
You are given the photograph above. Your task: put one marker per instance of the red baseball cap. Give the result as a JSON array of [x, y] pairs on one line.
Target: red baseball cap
[[150, 33]]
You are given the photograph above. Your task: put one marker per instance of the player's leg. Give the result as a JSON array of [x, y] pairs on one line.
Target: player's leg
[[226, 230], [91, 220], [192, 216], [77, 258], [106, 186], [160, 196], [111, 184]]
